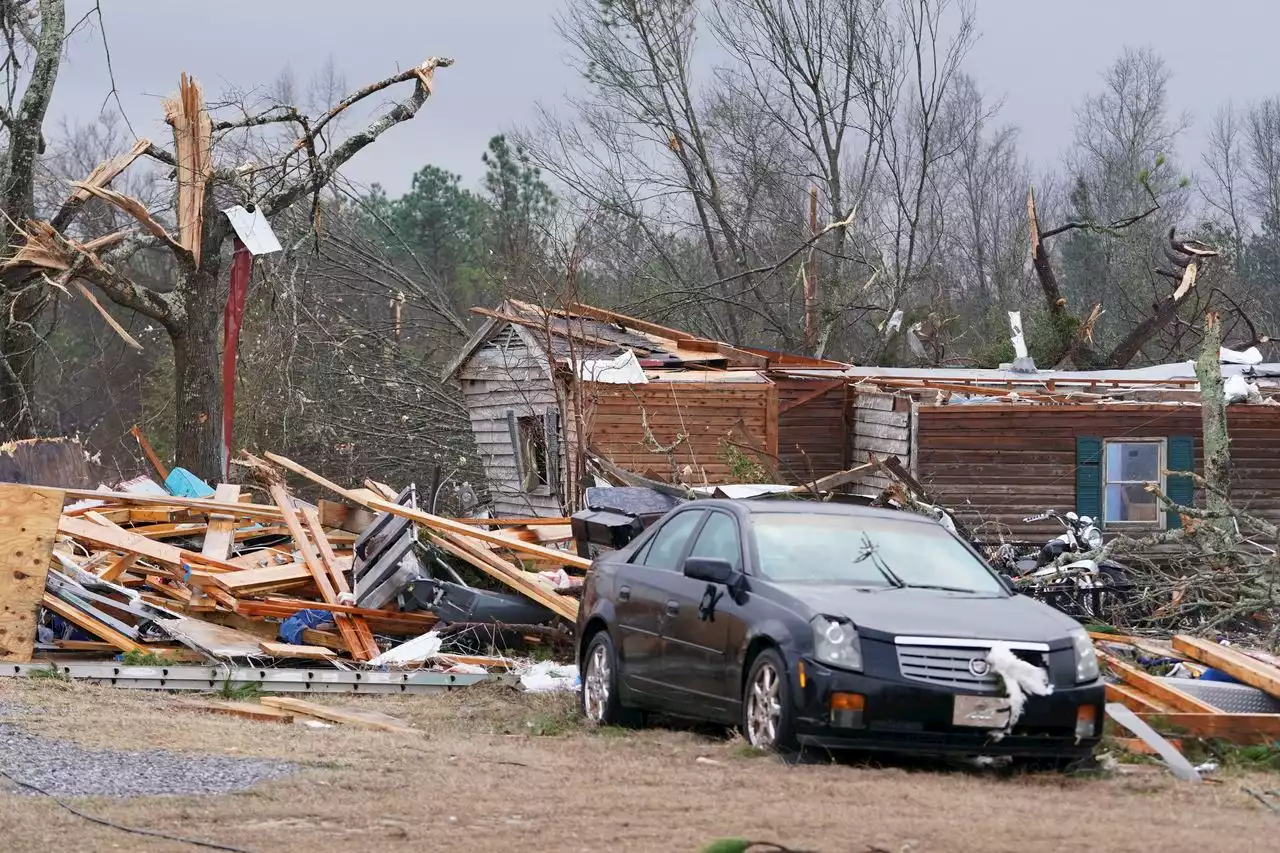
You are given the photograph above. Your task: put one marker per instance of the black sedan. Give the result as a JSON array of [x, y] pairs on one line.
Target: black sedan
[[817, 624]]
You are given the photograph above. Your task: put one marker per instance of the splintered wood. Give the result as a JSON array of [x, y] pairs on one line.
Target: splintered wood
[[192, 144], [137, 572], [1169, 704]]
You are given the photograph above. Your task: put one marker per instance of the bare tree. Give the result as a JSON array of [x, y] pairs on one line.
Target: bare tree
[[34, 33], [208, 178]]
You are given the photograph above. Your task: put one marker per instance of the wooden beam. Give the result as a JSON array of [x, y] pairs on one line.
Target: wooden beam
[[1171, 696], [88, 623], [1240, 666], [222, 526], [28, 527], [1237, 728], [246, 510], [350, 636], [340, 585], [1135, 700], [124, 541], [149, 452], [363, 719], [288, 650], [244, 710], [269, 579], [435, 522]]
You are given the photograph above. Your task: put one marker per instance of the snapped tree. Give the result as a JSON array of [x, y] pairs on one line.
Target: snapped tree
[[191, 311]]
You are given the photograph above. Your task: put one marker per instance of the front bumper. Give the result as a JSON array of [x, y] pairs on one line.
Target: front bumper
[[914, 717]]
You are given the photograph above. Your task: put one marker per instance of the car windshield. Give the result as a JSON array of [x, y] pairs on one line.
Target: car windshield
[[868, 552]]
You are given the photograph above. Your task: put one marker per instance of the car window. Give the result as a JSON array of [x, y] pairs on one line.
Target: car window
[[719, 540], [868, 552], [668, 544]]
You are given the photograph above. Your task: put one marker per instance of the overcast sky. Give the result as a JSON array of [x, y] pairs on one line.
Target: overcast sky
[[1040, 57]]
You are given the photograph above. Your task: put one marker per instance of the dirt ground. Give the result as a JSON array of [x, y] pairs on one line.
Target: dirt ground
[[497, 770]]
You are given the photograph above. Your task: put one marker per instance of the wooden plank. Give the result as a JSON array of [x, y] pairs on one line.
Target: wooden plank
[[823, 389], [1135, 700], [1159, 648], [252, 581], [247, 510], [28, 527], [1237, 728], [222, 526], [435, 522], [324, 639], [288, 650], [1137, 746], [343, 517], [121, 540], [321, 575], [1240, 666], [340, 585], [363, 719], [147, 449], [171, 531], [244, 710], [1171, 696], [88, 623]]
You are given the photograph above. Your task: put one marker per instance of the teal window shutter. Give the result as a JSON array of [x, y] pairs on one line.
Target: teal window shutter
[[1089, 477], [1180, 453]]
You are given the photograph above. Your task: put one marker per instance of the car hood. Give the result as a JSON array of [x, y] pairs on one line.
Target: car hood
[[933, 613]]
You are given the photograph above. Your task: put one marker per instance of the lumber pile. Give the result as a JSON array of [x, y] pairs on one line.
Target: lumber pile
[[1192, 687], [137, 571]]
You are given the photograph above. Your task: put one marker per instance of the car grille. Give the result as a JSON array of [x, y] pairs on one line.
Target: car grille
[[948, 666]]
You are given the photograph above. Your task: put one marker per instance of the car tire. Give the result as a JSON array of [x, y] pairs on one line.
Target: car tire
[[767, 716], [598, 698]]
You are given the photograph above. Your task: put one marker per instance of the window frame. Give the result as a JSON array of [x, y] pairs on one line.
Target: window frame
[[737, 530], [641, 553], [536, 427], [1162, 462]]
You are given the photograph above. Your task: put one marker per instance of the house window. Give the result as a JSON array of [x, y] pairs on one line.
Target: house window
[[1129, 467], [533, 453]]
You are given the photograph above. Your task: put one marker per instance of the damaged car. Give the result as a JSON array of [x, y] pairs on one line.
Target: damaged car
[[833, 626]]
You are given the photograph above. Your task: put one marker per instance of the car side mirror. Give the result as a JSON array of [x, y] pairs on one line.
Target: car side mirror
[[709, 569]]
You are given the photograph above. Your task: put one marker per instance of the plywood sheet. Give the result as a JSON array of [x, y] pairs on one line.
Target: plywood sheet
[[28, 525]]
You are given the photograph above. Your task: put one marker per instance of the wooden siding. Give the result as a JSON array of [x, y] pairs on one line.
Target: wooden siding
[[509, 373], [812, 430], [691, 419], [996, 465], [882, 425]]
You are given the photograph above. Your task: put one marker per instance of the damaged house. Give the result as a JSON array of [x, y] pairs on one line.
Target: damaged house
[[546, 389]]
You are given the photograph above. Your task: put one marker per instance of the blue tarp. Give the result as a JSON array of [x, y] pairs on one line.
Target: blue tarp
[[184, 484], [291, 629]]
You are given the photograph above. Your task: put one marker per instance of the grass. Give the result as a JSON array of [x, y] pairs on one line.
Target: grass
[[493, 782], [51, 673], [240, 692], [136, 658]]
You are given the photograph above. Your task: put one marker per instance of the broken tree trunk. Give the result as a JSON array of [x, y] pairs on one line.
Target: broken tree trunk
[[1213, 413]]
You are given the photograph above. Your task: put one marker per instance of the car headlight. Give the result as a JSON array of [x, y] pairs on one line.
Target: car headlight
[[835, 642], [1086, 656], [1093, 538]]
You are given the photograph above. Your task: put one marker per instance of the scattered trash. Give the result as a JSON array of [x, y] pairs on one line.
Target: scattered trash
[[548, 677]]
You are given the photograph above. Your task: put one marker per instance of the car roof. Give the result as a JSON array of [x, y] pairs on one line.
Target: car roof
[[808, 507]]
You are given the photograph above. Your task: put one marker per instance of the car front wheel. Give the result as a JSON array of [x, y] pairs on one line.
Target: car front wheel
[[766, 704], [599, 696]]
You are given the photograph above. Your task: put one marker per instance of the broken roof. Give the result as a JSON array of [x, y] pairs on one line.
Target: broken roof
[[1178, 373], [585, 332]]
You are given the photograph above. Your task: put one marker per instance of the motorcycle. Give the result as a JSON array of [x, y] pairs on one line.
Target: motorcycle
[[1083, 588]]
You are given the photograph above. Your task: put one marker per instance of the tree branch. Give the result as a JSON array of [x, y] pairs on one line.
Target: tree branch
[[403, 111]]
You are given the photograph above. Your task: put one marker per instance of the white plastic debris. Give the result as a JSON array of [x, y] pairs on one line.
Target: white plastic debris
[[623, 370], [414, 651], [1250, 356], [893, 324], [548, 677], [1020, 679], [1237, 389]]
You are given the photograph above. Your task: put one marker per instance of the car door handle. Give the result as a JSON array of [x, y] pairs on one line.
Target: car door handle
[[673, 608], [624, 593]]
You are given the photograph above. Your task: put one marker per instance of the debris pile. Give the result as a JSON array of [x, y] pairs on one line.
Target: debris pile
[[249, 573], [1192, 687]]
